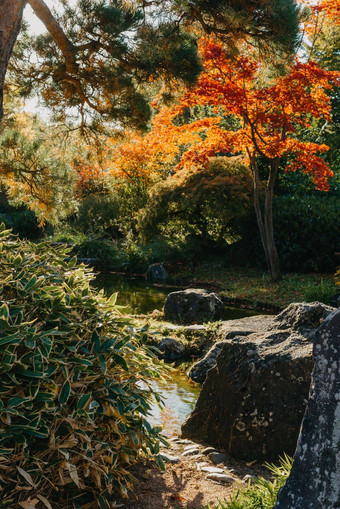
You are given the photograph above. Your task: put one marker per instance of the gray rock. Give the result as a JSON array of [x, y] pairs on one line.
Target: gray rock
[[193, 305], [314, 482], [218, 457], [171, 349], [213, 470], [196, 327], [253, 400], [198, 371], [245, 326], [221, 478], [231, 329], [196, 457], [252, 405], [169, 458], [190, 452], [306, 315], [208, 450], [157, 271]]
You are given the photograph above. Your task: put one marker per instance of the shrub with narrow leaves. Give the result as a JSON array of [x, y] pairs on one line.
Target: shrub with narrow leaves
[[74, 384]]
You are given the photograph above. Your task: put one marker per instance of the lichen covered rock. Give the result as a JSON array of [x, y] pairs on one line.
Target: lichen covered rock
[[314, 482], [193, 305], [253, 400]]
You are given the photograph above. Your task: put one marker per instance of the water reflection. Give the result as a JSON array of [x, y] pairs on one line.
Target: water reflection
[[140, 296], [179, 396]]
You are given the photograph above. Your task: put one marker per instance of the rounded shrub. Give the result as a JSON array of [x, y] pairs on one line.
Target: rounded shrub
[[74, 384], [209, 204]]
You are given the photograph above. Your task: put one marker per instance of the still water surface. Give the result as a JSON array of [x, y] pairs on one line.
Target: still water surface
[[141, 296]]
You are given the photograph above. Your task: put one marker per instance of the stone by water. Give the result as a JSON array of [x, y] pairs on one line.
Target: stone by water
[[140, 296]]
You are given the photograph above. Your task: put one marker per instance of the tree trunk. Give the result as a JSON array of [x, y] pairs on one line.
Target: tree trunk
[[67, 48], [265, 221], [268, 222], [10, 23], [260, 224]]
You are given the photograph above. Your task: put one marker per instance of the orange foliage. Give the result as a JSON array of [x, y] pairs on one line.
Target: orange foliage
[[268, 113], [323, 13], [92, 179], [143, 160]]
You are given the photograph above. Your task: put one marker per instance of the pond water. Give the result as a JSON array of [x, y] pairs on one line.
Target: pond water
[[179, 395], [140, 296]]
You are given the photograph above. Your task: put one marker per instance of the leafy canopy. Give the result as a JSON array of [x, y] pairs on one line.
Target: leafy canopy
[[102, 53]]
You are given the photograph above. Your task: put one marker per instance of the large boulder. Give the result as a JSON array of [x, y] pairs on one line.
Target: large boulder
[[314, 482], [193, 305], [228, 330], [253, 400], [302, 316]]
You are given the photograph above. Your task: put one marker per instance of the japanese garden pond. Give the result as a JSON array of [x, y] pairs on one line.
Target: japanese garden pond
[[139, 296]]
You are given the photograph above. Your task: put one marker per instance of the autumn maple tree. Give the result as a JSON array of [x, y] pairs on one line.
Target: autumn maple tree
[[268, 111]]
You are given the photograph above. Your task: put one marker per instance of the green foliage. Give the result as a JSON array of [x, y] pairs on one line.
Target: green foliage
[[137, 256], [321, 292], [269, 22], [307, 232], [307, 235], [107, 254], [74, 378], [23, 223], [114, 51], [35, 176], [111, 214], [260, 493], [208, 204]]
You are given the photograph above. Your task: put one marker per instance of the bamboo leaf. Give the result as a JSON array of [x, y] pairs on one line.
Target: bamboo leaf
[[65, 392], [44, 501], [26, 476]]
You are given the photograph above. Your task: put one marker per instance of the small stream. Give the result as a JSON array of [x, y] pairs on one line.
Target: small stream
[[140, 296], [179, 395]]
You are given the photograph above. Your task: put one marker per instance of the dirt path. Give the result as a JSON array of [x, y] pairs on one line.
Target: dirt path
[[184, 485]]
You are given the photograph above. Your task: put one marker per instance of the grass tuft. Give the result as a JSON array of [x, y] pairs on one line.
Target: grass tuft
[[260, 493]]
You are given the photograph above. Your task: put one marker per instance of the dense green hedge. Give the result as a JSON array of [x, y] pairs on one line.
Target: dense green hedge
[[74, 378], [22, 222], [307, 232]]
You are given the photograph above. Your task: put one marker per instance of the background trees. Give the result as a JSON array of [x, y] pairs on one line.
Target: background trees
[[96, 54]]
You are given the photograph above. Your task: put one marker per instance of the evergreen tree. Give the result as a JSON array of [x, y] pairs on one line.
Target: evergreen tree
[[96, 55]]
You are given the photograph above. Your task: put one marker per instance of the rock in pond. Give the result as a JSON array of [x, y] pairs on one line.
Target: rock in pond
[[171, 349], [252, 402], [193, 306], [157, 271], [314, 481]]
